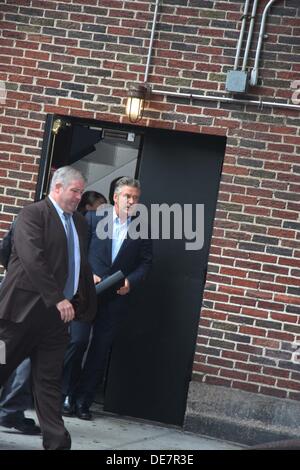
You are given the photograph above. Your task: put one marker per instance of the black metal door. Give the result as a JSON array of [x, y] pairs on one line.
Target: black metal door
[[152, 358]]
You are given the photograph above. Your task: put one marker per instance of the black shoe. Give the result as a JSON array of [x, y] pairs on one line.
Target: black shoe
[[25, 425], [83, 412], [65, 443], [68, 408]]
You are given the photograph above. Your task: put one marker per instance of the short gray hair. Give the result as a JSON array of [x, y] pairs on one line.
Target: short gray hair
[[126, 181], [65, 175]]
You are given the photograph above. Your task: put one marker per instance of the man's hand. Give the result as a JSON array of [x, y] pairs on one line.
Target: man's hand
[[124, 289], [66, 310], [97, 279]]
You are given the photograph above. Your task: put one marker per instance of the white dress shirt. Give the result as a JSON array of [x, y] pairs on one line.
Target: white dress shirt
[[119, 234], [76, 241]]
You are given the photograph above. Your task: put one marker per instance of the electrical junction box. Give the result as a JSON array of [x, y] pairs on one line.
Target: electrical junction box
[[237, 81]]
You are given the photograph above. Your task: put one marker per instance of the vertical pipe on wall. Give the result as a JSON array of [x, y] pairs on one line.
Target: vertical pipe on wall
[[254, 73], [250, 33], [242, 31], [151, 41]]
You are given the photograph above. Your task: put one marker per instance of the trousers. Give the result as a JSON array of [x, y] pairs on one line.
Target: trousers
[[16, 396], [43, 337]]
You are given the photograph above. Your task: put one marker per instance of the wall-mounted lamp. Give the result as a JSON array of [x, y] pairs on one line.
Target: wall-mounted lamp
[[136, 101], [137, 93]]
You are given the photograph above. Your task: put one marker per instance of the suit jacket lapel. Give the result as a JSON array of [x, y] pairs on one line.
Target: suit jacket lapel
[[124, 245], [61, 231], [77, 226], [108, 239]]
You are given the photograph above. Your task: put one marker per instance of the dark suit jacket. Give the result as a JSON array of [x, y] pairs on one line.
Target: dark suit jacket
[[134, 258], [38, 265]]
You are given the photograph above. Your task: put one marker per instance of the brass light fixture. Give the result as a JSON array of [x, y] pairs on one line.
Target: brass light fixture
[[136, 102], [137, 93]]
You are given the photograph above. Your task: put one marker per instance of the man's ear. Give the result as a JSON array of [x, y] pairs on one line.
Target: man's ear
[[57, 187]]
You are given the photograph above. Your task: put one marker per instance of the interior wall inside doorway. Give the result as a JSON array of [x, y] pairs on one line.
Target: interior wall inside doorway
[[102, 155]]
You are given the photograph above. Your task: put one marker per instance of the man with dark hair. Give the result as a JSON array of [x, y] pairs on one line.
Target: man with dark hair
[[48, 283], [118, 251]]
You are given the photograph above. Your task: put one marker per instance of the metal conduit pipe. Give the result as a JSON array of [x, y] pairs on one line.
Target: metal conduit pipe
[[254, 72], [242, 31], [151, 41], [224, 99], [137, 93], [250, 33]]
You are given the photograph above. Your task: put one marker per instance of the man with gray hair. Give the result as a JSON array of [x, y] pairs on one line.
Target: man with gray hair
[[118, 251], [48, 284]]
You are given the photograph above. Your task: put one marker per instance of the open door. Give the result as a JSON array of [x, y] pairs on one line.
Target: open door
[[151, 361]]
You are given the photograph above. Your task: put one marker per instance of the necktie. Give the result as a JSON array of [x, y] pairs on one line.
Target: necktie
[[69, 287]]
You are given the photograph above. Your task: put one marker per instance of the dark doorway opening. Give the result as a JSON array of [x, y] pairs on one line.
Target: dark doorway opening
[[100, 151], [151, 361]]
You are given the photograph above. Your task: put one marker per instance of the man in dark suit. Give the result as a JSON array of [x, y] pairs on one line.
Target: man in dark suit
[[48, 283], [15, 396], [117, 251]]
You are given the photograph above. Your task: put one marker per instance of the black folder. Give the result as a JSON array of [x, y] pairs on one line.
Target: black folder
[[114, 281]]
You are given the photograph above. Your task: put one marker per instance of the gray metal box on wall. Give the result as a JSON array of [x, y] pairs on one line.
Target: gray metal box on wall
[[237, 81]]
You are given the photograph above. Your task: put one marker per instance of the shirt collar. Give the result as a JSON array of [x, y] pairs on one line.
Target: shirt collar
[[116, 218], [57, 207]]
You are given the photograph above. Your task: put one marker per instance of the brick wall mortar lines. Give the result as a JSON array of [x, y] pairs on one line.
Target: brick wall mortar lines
[[77, 58]]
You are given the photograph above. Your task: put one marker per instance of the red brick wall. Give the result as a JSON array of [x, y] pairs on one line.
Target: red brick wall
[[77, 57]]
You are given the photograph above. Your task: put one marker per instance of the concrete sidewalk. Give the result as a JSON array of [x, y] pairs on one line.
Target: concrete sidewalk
[[111, 432]]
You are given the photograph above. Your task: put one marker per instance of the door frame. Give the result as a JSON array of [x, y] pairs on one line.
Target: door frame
[[47, 153]]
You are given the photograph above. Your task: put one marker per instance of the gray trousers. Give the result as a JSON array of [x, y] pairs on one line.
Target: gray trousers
[[16, 397]]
